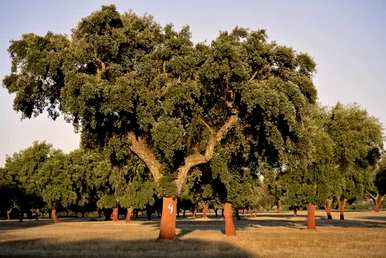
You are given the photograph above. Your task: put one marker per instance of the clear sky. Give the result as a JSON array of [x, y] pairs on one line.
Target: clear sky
[[347, 39]]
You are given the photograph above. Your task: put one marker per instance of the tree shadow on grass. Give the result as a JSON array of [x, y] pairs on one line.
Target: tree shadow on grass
[[41, 247], [376, 218], [6, 225]]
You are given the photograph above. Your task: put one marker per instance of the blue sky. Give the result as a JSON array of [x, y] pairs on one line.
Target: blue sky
[[347, 39]]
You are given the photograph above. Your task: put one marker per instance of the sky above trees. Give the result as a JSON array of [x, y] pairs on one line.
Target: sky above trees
[[347, 41]]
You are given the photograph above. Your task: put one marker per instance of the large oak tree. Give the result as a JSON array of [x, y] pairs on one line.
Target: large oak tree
[[174, 102]]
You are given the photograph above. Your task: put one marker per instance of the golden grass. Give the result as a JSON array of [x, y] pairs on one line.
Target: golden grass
[[362, 234]]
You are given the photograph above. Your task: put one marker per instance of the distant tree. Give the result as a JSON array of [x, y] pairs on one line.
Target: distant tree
[[9, 194], [380, 184], [173, 101], [22, 169], [56, 183], [310, 175], [82, 166], [358, 143]]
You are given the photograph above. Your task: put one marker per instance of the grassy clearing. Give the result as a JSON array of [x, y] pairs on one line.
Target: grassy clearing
[[362, 234]]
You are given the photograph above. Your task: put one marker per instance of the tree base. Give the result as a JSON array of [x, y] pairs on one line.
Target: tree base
[[229, 227], [311, 216], [128, 215], [54, 216], [115, 214], [168, 219]]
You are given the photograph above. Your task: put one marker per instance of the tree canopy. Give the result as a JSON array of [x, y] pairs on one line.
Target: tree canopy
[[125, 76]]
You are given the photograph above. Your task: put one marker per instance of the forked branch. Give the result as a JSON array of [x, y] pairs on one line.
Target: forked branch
[[139, 146], [197, 158]]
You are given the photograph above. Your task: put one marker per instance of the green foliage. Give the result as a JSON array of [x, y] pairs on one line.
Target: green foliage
[[311, 175], [121, 73], [55, 181], [358, 144], [380, 177]]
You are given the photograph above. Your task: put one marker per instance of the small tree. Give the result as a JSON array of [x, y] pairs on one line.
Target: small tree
[[358, 144], [380, 184], [310, 174], [22, 169], [56, 184]]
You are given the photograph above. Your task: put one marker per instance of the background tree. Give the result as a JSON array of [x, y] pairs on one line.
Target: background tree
[[174, 101], [23, 168], [310, 175], [380, 184], [82, 166], [358, 144], [56, 184], [11, 194]]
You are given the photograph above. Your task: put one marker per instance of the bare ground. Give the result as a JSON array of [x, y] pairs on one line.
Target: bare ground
[[362, 234]]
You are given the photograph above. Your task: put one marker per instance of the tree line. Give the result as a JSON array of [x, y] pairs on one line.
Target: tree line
[[217, 123]]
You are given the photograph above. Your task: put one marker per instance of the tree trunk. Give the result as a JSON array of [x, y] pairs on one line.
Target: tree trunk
[[229, 227], [54, 216], [295, 211], [115, 214], [342, 206], [193, 212], [278, 206], [9, 214], [327, 207], [205, 210], [168, 218], [311, 216], [378, 203], [128, 215]]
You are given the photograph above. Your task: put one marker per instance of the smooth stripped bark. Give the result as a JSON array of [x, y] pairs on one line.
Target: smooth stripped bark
[[311, 216], [128, 215], [342, 207], [327, 207], [168, 218], [229, 226]]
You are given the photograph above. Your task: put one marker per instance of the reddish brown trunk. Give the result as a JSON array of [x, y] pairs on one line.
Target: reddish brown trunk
[[342, 206], [311, 216], [128, 215], [378, 203], [327, 207], [115, 214], [54, 216], [229, 228], [168, 218], [205, 210]]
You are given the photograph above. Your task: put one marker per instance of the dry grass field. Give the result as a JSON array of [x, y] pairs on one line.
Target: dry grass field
[[362, 234]]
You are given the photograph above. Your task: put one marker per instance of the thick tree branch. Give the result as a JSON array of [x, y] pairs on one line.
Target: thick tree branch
[[143, 151], [197, 158]]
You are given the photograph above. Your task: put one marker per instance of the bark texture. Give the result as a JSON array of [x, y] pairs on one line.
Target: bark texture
[[311, 216], [342, 207], [54, 216], [168, 218], [128, 215], [115, 214], [205, 210], [229, 227], [327, 207], [378, 203]]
